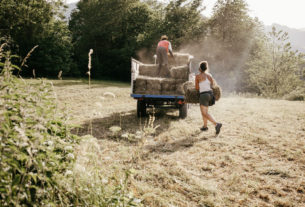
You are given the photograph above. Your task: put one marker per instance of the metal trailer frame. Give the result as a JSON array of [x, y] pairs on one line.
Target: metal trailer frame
[[145, 101]]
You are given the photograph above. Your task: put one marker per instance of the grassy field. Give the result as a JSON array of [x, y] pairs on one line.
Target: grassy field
[[257, 160]]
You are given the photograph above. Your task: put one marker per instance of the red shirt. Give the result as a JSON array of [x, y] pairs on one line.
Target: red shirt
[[164, 43]]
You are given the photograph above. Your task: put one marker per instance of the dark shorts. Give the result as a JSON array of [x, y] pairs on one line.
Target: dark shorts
[[205, 98]]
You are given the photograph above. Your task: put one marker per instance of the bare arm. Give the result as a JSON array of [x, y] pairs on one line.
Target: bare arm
[[170, 50], [197, 83]]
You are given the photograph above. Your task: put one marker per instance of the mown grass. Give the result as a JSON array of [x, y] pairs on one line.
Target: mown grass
[[257, 160]]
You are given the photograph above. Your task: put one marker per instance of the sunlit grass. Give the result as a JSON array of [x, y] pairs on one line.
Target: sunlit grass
[[257, 160]]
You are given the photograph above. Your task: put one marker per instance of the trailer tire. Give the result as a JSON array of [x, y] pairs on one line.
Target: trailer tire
[[141, 108], [183, 111]]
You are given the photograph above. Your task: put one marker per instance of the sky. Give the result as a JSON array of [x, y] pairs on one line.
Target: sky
[[285, 12]]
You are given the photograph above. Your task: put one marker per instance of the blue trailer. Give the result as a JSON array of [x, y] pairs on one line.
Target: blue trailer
[[145, 101]]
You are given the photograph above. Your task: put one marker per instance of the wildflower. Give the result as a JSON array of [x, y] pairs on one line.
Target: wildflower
[[68, 172], [68, 148], [50, 143], [115, 129], [136, 200], [70, 156], [104, 180], [126, 135]]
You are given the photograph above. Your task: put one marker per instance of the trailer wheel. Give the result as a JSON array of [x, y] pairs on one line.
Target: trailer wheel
[[183, 111], [141, 108]]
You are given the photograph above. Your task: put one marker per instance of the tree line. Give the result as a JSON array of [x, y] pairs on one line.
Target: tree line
[[241, 56]]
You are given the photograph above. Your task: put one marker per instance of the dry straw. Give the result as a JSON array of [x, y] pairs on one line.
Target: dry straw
[[192, 95], [25, 59], [27, 56], [34, 74], [89, 66], [59, 75]]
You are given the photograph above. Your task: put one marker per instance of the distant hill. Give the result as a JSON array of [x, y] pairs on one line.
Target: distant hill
[[296, 36]]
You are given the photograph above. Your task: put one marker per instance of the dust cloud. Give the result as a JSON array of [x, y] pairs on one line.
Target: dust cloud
[[225, 65]]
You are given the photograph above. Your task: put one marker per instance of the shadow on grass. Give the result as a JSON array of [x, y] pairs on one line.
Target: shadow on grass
[[177, 145], [94, 83], [129, 123]]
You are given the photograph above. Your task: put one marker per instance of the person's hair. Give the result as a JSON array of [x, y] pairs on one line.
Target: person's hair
[[164, 37], [203, 66]]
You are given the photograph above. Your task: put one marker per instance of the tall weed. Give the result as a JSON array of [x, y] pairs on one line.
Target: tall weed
[[37, 150]]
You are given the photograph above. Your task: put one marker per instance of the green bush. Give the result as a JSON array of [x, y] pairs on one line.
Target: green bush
[[36, 148], [38, 166]]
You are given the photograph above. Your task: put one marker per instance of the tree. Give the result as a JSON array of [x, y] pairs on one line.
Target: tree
[[183, 21], [37, 22], [274, 71], [113, 32], [230, 38]]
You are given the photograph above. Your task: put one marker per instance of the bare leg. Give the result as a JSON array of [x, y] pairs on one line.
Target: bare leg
[[206, 116]]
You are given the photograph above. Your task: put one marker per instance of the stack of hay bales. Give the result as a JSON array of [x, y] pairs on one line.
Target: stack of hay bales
[[149, 82], [147, 85]]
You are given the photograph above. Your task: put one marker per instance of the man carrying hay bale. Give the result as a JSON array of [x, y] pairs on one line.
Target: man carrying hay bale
[[203, 84], [164, 47]]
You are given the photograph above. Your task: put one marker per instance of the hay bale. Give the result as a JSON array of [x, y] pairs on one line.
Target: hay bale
[[191, 94], [140, 85], [148, 70], [168, 85], [153, 92], [179, 59], [217, 92], [180, 72], [169, 93], [153, 85], [179, 86]]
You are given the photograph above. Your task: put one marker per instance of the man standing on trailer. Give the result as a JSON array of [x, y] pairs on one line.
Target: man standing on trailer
[[164, 47]]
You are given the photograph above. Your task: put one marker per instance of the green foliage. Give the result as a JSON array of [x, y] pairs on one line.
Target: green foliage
[[38, 22], [118, 29], [274, 70], [38, 163], [232, 32], [111, 28], [36, 144], [183, 21]]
